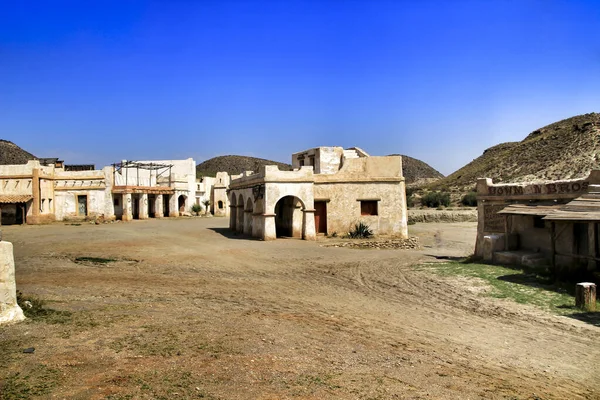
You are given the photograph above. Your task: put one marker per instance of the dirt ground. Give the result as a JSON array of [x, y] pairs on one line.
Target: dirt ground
[[190, 311]]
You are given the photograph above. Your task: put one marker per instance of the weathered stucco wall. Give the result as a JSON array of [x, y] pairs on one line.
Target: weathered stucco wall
[[344, 206]]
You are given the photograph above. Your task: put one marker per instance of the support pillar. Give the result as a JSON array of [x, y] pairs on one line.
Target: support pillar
[[308, 230], [144, 206], [269, 229], [232, 217], [158, 206], [9, 309], [35, 191], [239, 224], [592, 246], [248, 222], [127, 207], [257, 225], [173, 206]]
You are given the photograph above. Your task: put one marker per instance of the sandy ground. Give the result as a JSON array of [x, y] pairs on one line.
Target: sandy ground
[[190, 311]]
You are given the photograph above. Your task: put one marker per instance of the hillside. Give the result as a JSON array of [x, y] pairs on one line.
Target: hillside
[[416, 171], [235, 165], [10, 153], [566, 149]]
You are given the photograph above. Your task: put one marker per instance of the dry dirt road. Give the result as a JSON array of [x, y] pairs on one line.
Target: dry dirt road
[[189, 311]]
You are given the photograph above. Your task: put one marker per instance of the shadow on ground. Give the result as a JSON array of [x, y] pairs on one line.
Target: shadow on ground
[[229, 234]]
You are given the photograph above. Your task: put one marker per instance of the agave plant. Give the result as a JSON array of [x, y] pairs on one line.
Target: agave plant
[[361, 231]]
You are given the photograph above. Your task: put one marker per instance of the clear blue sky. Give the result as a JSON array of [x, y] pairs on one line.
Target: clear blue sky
[[437, 80]]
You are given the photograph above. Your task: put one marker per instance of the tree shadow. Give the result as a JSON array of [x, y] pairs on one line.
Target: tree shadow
[[230, 234], [448, 258]]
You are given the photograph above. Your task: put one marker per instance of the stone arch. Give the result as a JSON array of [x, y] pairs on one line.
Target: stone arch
[[289, 217]]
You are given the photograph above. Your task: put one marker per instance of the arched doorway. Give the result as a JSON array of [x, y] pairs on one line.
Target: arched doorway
[[181, 204], [288, 217], [233, 212]]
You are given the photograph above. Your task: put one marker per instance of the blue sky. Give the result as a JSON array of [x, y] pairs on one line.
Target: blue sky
[[437, 80]]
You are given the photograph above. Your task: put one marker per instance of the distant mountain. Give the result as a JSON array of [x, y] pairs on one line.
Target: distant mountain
[[235, 165], [566, 149], [417, 171], [10, 153]]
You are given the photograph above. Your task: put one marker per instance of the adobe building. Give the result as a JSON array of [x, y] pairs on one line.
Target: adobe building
[[329, 190], [551, 224], [41, 191], [153, 189], [214, 189]]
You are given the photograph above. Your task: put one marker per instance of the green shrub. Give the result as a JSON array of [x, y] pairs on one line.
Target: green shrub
[[196, 208], [410, 201], [469, 199], [361, 231], [436, 199]]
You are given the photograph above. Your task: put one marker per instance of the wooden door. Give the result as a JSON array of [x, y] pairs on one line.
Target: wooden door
[[82, 205], [321, 216]]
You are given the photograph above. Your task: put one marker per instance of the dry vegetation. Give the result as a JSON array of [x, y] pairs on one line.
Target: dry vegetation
[[566, 149], [10, 153], [235, 165]]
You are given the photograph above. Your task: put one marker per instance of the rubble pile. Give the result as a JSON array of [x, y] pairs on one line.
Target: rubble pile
[[412, 243]]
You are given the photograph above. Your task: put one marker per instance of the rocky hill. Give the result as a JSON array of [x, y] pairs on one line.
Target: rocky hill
[[10, 153], [417, 171], [567, 149], [235, 165]]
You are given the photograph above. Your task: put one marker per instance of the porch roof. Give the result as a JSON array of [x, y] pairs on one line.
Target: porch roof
[[15, 198], [530, 209], [583, 208]]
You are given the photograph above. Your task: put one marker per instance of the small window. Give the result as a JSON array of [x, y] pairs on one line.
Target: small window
[[538, 222], [42, 205], [50, 205], [368, 207], [220, 205]]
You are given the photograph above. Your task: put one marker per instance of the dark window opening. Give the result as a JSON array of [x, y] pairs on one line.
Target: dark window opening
[[116, 202], [220, 205], [368, 207]]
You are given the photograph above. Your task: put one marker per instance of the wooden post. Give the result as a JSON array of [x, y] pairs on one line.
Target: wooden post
[[585, 296], [553, 248]]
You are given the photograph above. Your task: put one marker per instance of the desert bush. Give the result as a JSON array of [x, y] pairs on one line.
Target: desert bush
[[196, 208], [361, 231], [436, 199], [410, 201], [469, 199]]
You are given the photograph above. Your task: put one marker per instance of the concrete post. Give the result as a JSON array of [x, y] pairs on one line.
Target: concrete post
[[144, 206], [127, 207], [240, 218], [173, 206], [269, 229], [248, 222], [158, 206], [9, 309], [309, 232]]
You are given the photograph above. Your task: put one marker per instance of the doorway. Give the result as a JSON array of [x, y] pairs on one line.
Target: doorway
[[82, 209], [321, 216]]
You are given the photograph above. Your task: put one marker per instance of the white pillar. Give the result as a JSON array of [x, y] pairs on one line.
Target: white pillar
[[9, 309]]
